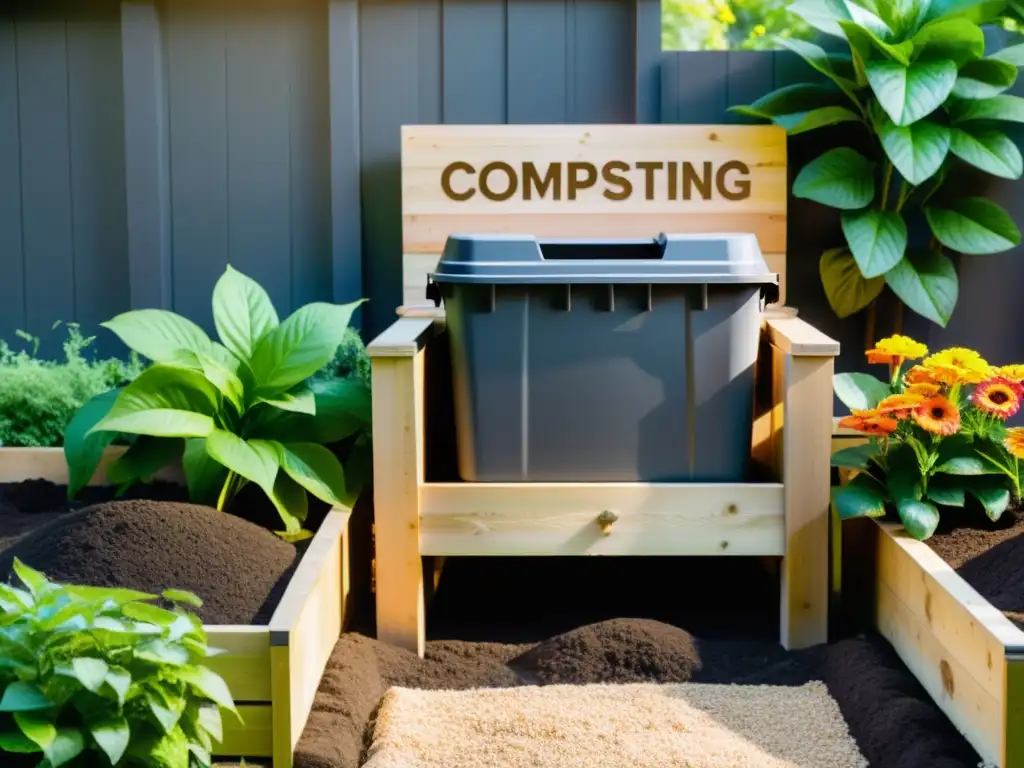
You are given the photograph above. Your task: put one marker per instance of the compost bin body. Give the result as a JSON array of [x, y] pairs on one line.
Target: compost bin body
[[579, 361]]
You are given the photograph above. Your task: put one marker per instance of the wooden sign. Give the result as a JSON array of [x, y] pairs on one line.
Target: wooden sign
[[589, 181]]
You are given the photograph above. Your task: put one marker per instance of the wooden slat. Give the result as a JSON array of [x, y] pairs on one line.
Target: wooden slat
[[245, 665], [561, 519], [253, 739], [17, 464], [404, 338], [799, 338], [1013, 707]]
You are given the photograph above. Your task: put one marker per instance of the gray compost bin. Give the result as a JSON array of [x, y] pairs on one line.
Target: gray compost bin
[[603, 360]]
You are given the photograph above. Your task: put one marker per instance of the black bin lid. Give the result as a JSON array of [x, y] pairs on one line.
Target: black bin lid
[[705, 259]]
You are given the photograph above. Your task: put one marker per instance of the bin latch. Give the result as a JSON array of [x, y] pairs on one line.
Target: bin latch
[[433, 292]]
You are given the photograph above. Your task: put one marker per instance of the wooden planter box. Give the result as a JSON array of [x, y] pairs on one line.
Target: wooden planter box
[[272, 670], [963, 650]]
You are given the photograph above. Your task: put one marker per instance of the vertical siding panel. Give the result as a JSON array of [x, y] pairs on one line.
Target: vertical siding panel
[[430, 107], [12, 263], [344, 238], [45, 171], [647, 98], [97, 159], [473, 62], [604, 54], [258, 146], [670, 88], [749, 76], [537, 70], [701, 95], [195, 34]]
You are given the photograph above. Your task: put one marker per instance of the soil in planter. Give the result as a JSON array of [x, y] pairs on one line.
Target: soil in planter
[[989, 556], [238, 568]]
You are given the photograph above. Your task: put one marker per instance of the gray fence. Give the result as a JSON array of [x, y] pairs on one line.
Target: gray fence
[[144, 145]]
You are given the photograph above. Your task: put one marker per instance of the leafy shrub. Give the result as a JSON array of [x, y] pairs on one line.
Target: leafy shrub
[[350, 360], [39, 397], [938, 435], [245, 410], [90, 671], [930, 101]]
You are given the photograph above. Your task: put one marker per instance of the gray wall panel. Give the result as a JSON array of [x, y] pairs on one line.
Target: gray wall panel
[[474, 76], [12, 264], [604, 78], [538, 69]]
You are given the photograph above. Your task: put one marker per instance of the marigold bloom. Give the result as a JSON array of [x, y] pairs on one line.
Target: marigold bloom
[[938, 415], [870, 422], [998, 396], [895, 350], [899, 406], [1013, 372], [966, 365], [924, 389], [1014, 441]]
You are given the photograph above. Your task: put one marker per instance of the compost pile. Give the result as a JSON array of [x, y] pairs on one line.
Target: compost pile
[[238, 568]]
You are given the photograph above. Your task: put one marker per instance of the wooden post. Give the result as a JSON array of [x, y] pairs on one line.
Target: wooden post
[[803, 361], [398, 366]]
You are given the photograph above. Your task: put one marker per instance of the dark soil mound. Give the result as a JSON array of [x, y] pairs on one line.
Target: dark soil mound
[[892, 718], [990, 557], [236, 567], [614, 651]]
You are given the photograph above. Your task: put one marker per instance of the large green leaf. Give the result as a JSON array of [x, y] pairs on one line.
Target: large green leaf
[[959, 40], [290, 500], [343, 406], [823, 15], [801, 122], [919, 518], [112, 734], [917, 150], [876, 238], [158, 334], [820, 61], [959, 456], [255, 460], [989, 149], [144, 458], [299, 346], [1011, 54], [984, 78], [841, 178], [164, 402], [978, 11], [847, 290], [973, 225], [993, 494], [209, 684], [226, 372], [23, 697], [857, 501], [242, 312], [17, 742], [859, 391], [298, 399], [947, 495], [160, 422], [1002, 107], [904, 480], [855, 457], [316, 469], [59, 745], [926, 281], [83, 448], [863, 41], [909, 93], [204, 475], [792, 99]]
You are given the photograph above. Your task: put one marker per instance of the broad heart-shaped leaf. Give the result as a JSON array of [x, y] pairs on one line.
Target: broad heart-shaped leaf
[[823, 15], [144, 458], [91, 673], [863, 41], [23, 697], [792, 99], [959, 40], [973, 225], [819, 60], [242, 312], [916, 150], [1002, 107], [343, 406], [17, 742], [59, 745], [984, 78], [978, 11], [959, 456], [904, 481], [316, 469], [876, 238], [164, 402], [209, 684], [158, 334], [993, 494], [926, 281], [848, 291], [859, 391], [298, 399], [299, 346], [947, 495], [204, 475], [857, 501], [1011, 54], [801, 122], [255, 460], [909, 93], [111, 734], [989, 149], [83, 448], [841, 178], [855, 457], [919, 518], [289, 498]]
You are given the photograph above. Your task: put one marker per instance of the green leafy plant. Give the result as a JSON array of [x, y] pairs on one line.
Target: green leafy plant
[[38, 397], [97, 676], [918, 79], [242, 410], [350, 360], [938, 435]]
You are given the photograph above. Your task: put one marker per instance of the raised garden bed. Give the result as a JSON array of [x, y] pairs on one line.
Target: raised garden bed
[[272, 667]]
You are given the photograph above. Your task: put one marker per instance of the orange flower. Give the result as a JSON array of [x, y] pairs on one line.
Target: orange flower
[[938, 415], [899, 406], [870, 422], [924, 389], [1014, 441], [998, 396], [921, 375]]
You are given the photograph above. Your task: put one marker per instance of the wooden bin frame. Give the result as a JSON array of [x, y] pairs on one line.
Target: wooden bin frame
[[788, 518], [273, 670]]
